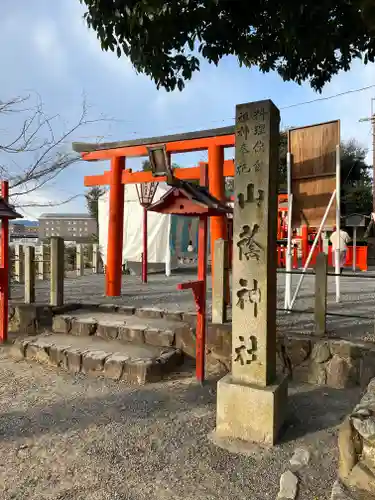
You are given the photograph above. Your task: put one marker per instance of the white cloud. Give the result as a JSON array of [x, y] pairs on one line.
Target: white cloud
[[50, 198], [50, 47]]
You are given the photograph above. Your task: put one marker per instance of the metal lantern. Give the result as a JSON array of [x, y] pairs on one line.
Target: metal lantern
[[146, 192], [160, 162]]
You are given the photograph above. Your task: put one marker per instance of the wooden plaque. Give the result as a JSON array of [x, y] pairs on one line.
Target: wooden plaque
[[313, 150]]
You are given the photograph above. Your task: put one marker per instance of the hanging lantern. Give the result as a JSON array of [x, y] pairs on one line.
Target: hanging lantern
[[146, 192]]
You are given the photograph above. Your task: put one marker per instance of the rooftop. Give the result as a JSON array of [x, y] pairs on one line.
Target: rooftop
[[84, 147], [65, 216]]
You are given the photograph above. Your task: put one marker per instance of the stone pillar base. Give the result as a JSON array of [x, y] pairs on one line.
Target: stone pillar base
[[250, 412]]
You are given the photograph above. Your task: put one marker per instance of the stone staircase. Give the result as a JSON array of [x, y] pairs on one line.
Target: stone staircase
[[137, 346]]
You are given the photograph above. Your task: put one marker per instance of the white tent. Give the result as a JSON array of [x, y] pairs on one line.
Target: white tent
[[159, 230]]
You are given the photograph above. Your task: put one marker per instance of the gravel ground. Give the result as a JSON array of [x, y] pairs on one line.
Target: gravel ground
[[358, 299], [67, 437]]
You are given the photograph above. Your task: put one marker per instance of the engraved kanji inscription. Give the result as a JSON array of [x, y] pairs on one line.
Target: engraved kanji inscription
[[244, 149], [259, 147], [245, 353], [243, 116], [260, 129], [258, 166], [243, 131], [242, 167], [250, 198], [259, 114], [246, 294], [247, 246]]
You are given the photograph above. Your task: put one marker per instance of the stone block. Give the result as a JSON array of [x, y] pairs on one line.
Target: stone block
[[24, 319], [173, 315], [109, 330], [316, 373], [186, 340], [190, 318], [367, 368], [154, 336], [38, 352], [219, 339], [114, 366], [345, 349], [133, 333], [362, 478], [18, 348], [108, 307], [301, 372], [74, 359], [62, 324], [93, 361], [57, 356], [149, 313], [129, 310], [141, 371], [342, 373], [84, 327], [249, 412], [297, 350], [347, 450], [321, 352]]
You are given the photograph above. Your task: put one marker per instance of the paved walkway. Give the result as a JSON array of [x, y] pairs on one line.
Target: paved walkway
[[68, 437]]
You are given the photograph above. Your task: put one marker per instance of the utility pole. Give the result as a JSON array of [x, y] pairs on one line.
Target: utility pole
[[372, 120]]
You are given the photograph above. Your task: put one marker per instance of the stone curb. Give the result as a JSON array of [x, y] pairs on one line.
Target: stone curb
[[96, 362]]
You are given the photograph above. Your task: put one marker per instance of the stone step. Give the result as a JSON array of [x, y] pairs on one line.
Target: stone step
[[92, 355], [154, 331]]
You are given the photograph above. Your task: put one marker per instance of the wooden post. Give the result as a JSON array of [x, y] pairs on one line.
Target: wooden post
[[19, 267], [321, 267], [29, 275], [219, 281], [57, 271], [95, 258], [80, 261]]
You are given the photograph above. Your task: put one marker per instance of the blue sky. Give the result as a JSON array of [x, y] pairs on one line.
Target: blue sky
[[46, 49]]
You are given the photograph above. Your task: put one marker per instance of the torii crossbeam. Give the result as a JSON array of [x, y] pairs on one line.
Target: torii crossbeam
[[213, 140]]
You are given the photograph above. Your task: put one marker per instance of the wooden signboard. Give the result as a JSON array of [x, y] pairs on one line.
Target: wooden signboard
[[313, 150]]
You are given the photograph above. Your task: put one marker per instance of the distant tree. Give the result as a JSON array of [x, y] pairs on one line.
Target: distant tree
[[92, 203], [146, 165]]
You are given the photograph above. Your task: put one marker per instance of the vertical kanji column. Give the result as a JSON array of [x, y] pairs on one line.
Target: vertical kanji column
[[251, 400]]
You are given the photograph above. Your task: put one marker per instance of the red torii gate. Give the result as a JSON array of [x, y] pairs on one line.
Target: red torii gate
[[213, 140]]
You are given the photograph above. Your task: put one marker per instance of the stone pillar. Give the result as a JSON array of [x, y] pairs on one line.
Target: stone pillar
[[57, 271], [219, 282], [19, 263], [29, 275], [41, 262], [95, 258], [252, 400], [80, 260], [321, 268]]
